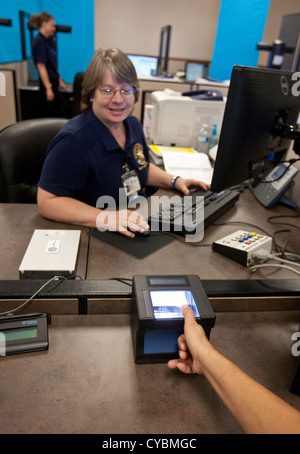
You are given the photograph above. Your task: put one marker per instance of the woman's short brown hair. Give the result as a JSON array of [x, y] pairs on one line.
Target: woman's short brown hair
[[38, 19], [121, 67]]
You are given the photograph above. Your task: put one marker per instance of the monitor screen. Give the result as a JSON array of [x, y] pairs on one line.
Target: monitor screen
[[144, 65], [195, 70], [258, 100]]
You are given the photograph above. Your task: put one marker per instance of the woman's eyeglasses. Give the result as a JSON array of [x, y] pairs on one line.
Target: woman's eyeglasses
[[110, 92]]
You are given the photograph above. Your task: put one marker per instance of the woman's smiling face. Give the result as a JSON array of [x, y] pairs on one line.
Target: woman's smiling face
[[114, 109]]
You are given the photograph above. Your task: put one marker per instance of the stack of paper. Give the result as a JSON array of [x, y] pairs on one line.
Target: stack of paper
[[188, 165], [157, 150]]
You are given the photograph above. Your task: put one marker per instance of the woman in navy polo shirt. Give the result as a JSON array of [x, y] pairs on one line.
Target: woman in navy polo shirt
[[45, 60], [91, 155]]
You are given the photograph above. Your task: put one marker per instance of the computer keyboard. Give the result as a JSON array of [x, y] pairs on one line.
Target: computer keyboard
[[182, 216]]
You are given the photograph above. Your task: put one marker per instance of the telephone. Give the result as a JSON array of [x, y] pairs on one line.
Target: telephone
[[268, 194]]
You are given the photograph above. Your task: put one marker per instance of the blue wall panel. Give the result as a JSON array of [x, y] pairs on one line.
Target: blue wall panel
[[240, 27], [75, 50], [10, 42]]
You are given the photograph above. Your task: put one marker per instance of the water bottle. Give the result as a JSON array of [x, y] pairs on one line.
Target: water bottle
[[203, 139], [214, 137]]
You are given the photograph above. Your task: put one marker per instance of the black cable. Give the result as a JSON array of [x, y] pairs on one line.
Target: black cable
[[243, 223], [281, 249], [122, 279], [270, 219], [54, 278], [291, 162], [87, 256]]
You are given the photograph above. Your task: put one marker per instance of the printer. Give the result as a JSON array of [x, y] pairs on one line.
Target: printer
[[176, 119]]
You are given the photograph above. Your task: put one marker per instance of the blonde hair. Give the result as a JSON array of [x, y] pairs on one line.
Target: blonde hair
[[38, 19], [121, 67]]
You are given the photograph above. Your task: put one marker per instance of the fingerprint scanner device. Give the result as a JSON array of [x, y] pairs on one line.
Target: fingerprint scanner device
[[24, 333], [156, 319], [50, 253], [241, 246]]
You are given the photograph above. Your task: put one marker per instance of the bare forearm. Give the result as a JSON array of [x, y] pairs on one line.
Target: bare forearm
[[158, 177], [72, 211], [68, 210], [43, 73], [162, 179], [256, 409]]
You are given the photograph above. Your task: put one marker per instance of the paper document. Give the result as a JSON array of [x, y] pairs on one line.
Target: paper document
[[188, 165], [157, 150]]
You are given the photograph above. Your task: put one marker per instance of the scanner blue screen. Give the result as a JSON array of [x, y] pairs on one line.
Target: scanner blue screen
[[167, 303]]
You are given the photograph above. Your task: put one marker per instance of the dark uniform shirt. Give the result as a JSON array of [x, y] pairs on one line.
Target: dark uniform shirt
[[84, 161], [42, 52]]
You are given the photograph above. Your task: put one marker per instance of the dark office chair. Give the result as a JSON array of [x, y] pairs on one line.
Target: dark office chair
[[77, 87], [23, 148]]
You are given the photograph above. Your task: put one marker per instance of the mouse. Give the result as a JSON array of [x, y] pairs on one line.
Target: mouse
[[144, 234]]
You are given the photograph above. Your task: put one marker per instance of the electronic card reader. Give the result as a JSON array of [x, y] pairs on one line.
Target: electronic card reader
[[156, 318], [23, 333]]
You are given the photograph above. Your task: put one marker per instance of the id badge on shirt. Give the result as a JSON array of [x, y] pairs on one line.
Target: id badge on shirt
[[131, 183]]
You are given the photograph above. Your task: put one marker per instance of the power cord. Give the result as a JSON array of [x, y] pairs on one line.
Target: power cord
[[289, 162], [273, 265], [122, 279], [54, 278], [261, 256]]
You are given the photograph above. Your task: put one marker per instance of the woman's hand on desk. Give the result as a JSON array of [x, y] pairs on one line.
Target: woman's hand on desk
[[122, 220], [158, 177], [185, 185], [72, 211]]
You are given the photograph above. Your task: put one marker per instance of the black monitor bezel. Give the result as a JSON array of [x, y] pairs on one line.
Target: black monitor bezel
[[247, 146], [164, 49]]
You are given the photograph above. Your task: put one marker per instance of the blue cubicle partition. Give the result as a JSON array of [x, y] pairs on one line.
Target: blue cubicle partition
[[240, 27], [75, 50]]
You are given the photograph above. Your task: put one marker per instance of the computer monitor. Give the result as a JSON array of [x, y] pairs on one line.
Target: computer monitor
[[194, 70], [290, 36], [259, 122], [144, 65], [164, 48]]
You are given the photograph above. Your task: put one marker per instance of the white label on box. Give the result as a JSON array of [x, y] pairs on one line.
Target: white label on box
[[53, 247]]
